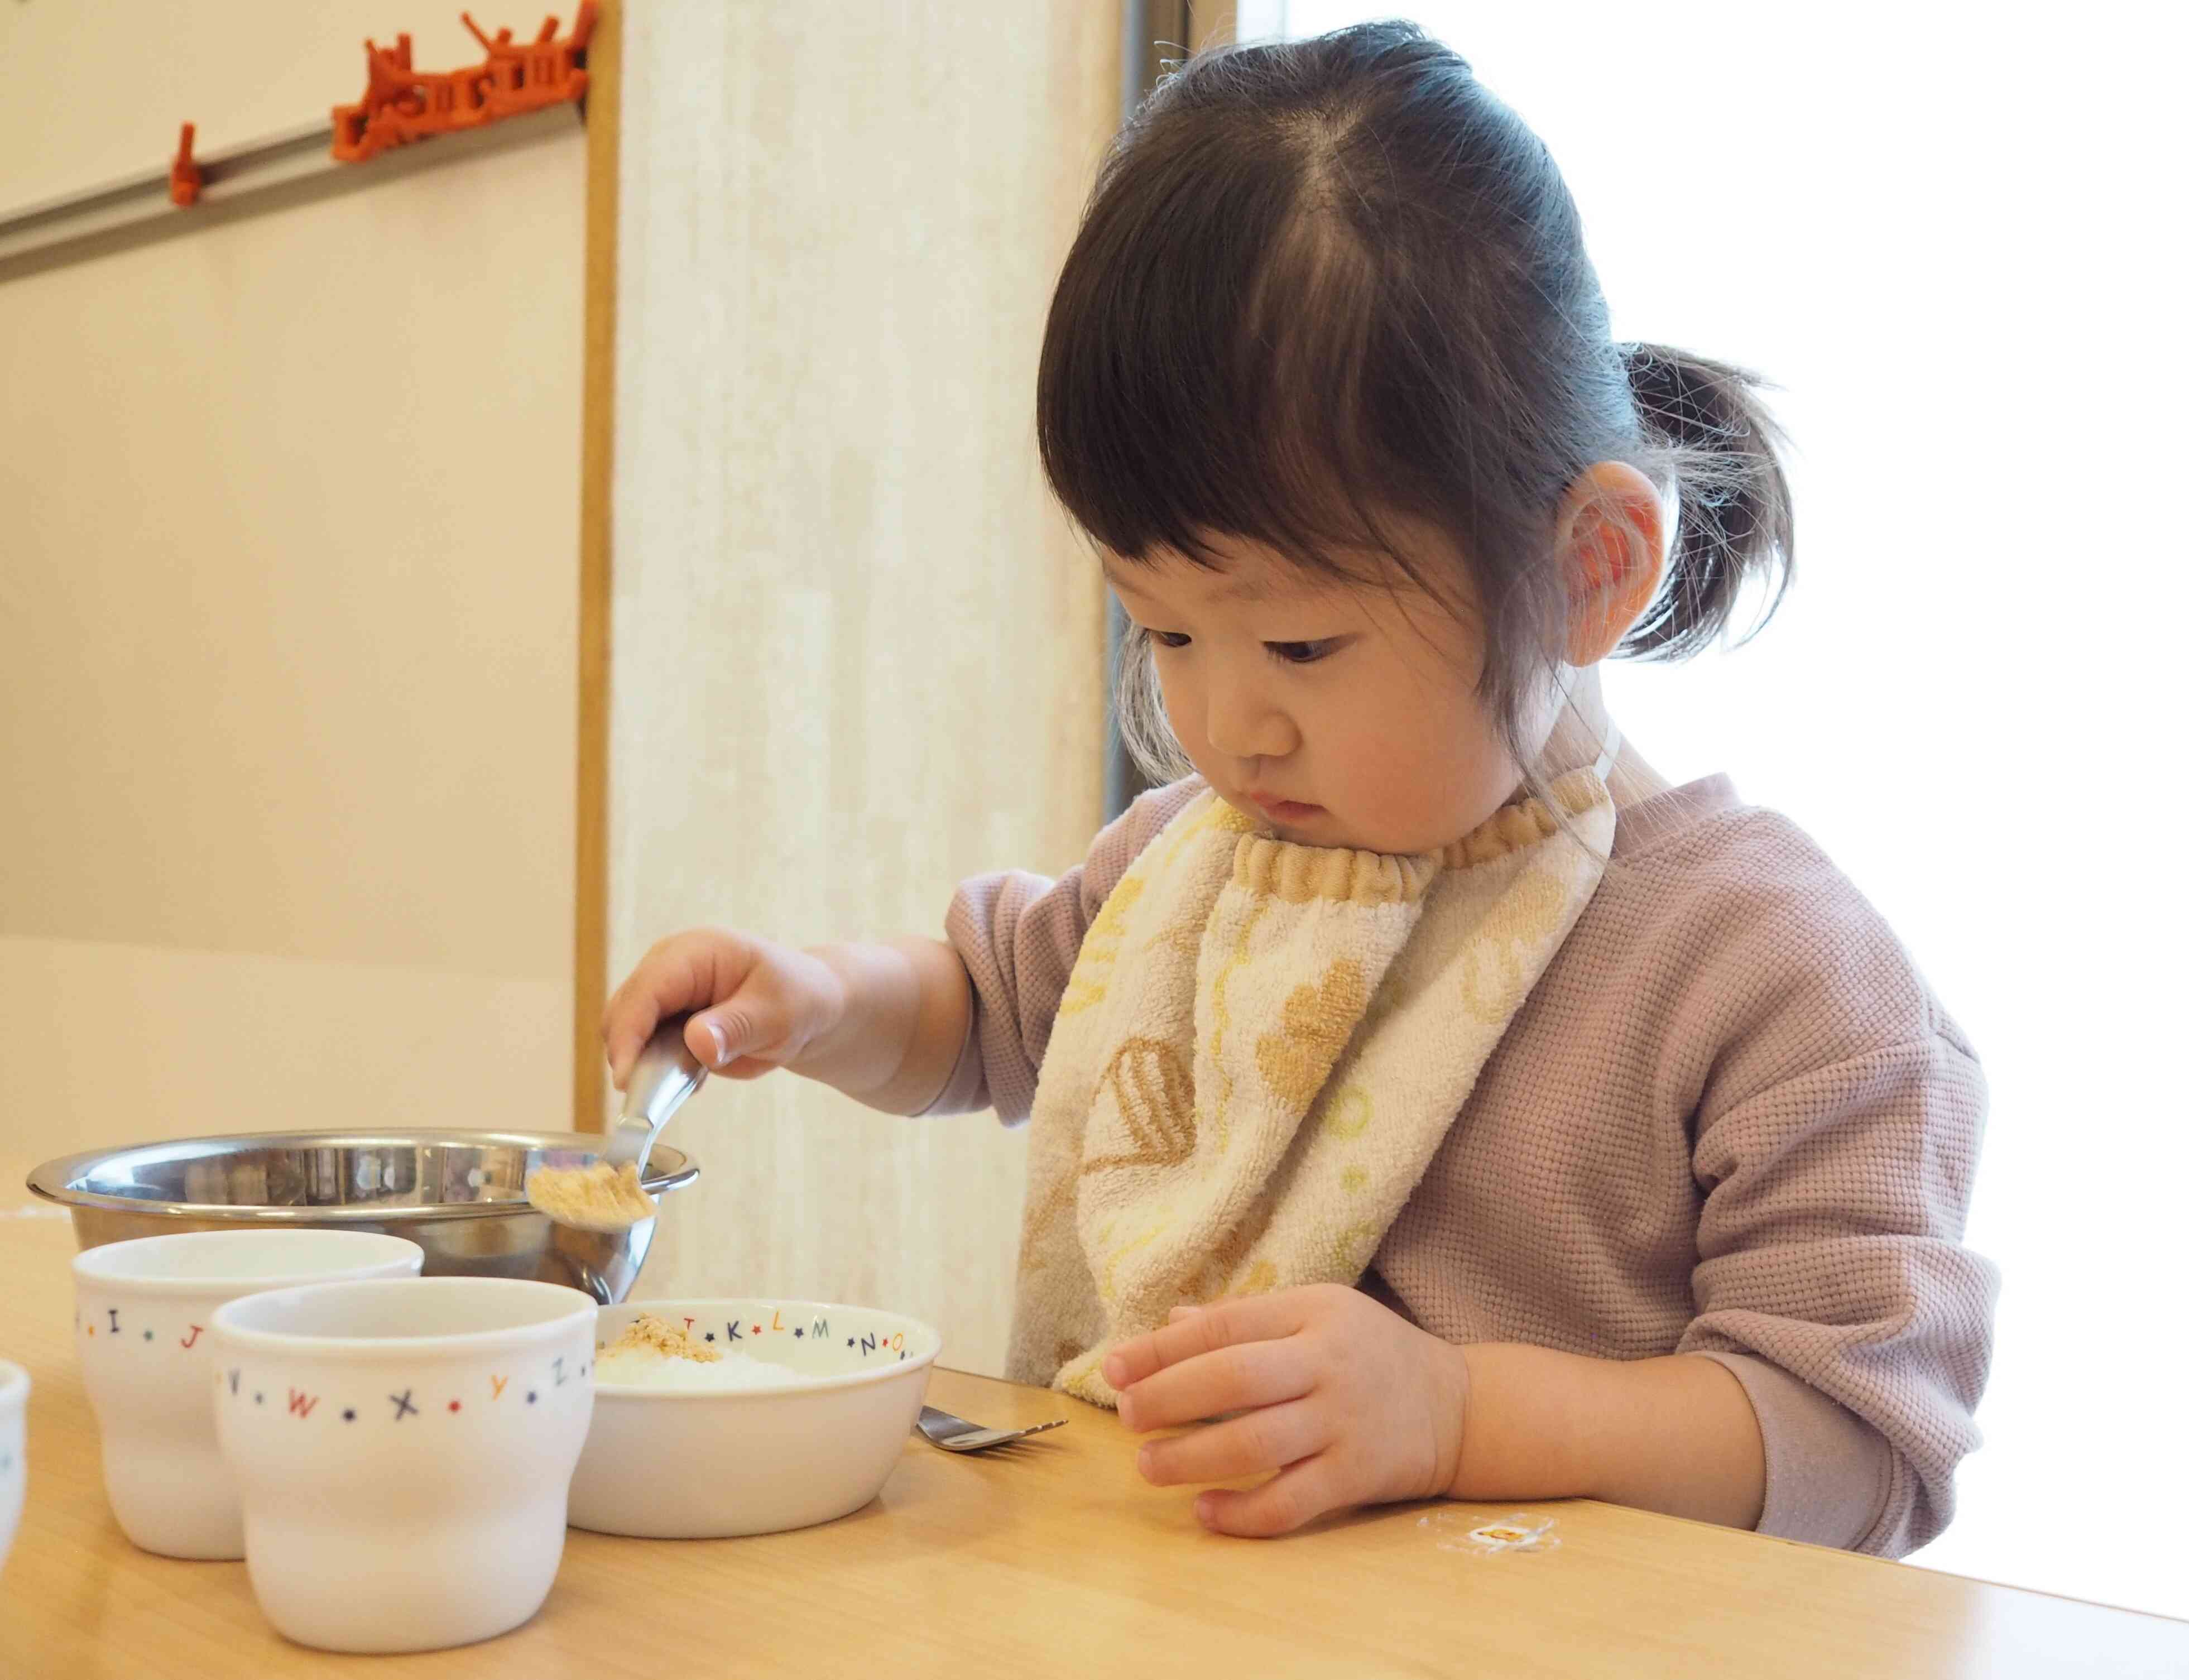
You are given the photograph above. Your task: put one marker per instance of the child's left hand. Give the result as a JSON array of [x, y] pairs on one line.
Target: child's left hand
[[1351, 1404]]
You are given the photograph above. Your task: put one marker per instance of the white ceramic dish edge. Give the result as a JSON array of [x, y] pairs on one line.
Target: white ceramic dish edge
[[106, 1267], [752, 1461], [629, 1310]]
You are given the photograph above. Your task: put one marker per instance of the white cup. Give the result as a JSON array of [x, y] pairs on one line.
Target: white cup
[[143, 1315], [404, 1451], [14, 1472]]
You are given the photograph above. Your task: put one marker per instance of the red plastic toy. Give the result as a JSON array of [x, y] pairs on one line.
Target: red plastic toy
[[402, 104], [183, 180]]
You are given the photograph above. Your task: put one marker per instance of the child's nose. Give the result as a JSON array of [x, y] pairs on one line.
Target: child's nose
[[1242, 724]]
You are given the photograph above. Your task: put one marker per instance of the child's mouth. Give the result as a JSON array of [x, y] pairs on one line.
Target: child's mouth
[[1285, 810]]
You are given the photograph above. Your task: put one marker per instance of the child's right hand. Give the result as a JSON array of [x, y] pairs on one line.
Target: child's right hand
[[755, 1004]]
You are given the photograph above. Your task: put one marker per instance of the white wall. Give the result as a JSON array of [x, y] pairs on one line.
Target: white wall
[[1951, 239], [97, 94]]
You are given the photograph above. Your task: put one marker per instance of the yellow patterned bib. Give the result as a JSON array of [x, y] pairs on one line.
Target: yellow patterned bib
[[1262, 1045]]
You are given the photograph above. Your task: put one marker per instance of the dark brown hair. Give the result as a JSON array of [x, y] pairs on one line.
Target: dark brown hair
[[1324, 285]]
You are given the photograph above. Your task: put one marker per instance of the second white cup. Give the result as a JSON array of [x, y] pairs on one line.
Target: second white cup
[[143, 1320], [14, 1394], [404, 1451]]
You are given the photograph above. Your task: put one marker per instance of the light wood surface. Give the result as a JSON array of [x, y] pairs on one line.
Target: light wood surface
[[857, 652], [596, 566], [1050, 1555]]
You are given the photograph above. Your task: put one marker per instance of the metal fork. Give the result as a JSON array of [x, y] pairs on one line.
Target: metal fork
[[955, 1434]]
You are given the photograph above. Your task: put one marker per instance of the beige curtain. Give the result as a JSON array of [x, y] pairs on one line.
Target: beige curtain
[[856, 655]]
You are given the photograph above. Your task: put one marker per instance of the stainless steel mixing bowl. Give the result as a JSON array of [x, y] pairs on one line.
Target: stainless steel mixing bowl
[[460, 1196]]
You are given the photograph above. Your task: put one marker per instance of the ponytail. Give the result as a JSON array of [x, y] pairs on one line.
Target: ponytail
[[1704, 422]]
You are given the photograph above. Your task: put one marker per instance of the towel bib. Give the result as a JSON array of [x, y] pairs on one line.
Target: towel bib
[[1261, 1047]]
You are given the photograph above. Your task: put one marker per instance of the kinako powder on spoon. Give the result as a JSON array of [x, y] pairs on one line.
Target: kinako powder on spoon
[[596, 1197]]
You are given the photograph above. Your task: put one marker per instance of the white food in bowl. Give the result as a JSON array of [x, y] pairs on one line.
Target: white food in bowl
[[746, 1459], [651, 1371], [653, 1354]]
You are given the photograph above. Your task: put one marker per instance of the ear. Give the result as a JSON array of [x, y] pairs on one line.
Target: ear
[[1611, 540]]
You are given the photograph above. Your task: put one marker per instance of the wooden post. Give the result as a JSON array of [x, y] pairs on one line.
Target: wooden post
[[596, 566]]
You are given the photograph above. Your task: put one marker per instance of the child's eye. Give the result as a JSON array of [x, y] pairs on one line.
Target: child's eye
[[1303, 652], [1168, 638]]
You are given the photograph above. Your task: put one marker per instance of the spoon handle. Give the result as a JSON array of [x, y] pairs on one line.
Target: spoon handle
[[664, 1076]]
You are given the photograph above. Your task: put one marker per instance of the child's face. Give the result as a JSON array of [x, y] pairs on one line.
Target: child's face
[[1341, 715]]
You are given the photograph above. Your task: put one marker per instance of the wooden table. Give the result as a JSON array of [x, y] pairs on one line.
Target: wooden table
[[1056, 1556]]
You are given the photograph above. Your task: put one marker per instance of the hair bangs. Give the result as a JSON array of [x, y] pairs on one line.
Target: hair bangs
[[1204, 373]]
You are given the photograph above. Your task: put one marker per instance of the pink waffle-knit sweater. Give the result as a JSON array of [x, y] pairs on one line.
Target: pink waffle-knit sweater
[[1730, 1120]]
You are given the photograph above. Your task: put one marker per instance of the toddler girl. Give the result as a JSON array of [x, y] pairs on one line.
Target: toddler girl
[[1420, 1088]]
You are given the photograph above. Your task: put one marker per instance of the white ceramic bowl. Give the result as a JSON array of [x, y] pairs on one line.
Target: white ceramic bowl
[[14, 1472], [404, 1451], [142, 1313], [694, 1463]]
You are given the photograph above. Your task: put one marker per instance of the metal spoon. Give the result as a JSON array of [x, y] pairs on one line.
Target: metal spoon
[[608, 1198], [664, 1076]]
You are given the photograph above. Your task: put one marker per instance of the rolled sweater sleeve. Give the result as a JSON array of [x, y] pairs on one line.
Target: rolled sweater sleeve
[[1019, 935], [1831, 1278]]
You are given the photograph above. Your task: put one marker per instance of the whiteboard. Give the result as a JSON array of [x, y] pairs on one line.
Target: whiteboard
[[288, 625]]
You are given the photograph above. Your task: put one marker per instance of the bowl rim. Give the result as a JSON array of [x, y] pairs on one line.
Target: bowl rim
[[86, 1264], [604, 1389], [667, 1169], [462, 1343]]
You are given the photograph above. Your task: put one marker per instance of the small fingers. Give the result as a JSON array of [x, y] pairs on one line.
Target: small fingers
[[626, 1025], [748, 1026], [1246, 1318], [693, 970], [1226, 1379], [1290, 1500], [708, 1045], [1267, 1438]]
